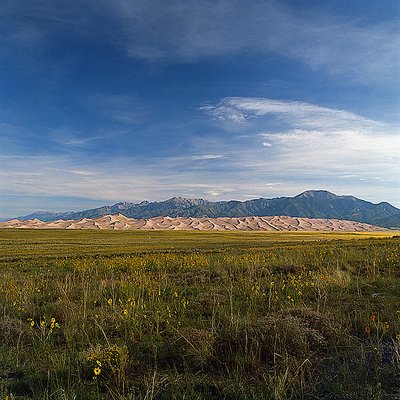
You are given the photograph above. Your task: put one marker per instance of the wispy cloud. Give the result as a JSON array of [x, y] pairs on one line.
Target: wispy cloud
[[299, 141], [156, 30], [80, 172], [159, 31], [203, 157], [124, 109], [296, 114], [65, 138], [24, 142]]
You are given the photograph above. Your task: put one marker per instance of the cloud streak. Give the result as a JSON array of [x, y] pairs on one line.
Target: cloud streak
[[203, 157], [296, 114], [176, 31], [191, 30]]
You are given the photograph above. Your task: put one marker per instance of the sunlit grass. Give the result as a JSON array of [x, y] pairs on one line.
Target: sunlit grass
[[68, 243]]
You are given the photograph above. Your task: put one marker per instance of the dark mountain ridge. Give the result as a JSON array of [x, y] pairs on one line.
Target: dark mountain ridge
[[309, 204]]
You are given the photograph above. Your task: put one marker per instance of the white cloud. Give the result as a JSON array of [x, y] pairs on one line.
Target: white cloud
[[80, 172], [207, 157], [272, 184], [297, 114], [190, 31], [212, 193]]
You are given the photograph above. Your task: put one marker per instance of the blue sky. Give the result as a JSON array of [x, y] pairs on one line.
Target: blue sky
[[131, 100]]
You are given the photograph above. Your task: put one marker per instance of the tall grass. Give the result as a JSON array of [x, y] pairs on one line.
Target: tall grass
[[169, 316]]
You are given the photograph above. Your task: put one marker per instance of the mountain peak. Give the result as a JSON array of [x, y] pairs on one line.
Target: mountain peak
[[183, 201], [122, 205], [317, 194], [178, 199]]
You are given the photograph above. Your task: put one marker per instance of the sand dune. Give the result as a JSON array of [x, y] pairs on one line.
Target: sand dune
[[119, 222]]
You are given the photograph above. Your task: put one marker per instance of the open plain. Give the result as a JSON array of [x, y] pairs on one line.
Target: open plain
[[101, 314]]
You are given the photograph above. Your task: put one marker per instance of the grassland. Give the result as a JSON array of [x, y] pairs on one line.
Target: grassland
[[199, 315]]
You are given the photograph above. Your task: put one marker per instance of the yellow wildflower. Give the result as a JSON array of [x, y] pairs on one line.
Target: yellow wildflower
[[386, 325]]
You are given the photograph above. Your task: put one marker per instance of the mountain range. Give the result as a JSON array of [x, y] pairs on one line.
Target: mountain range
[[309, 204]]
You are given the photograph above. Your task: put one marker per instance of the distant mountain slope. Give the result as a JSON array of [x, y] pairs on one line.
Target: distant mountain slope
[[390, 222], [309, 204]]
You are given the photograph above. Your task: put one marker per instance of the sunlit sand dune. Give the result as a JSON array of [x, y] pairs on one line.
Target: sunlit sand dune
[[275, 223]]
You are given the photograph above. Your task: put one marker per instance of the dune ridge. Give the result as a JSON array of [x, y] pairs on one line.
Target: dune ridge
[[275, 223]]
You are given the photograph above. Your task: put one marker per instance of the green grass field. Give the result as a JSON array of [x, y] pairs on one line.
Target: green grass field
[[199, 315]]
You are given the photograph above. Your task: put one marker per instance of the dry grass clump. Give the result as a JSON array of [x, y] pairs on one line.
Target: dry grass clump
[[316, 324], [11, 329], [209, 302], [198, 276], [197, 348], [298, 334]]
